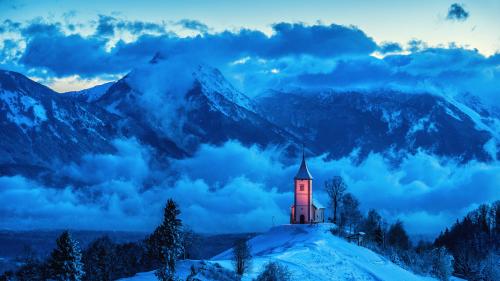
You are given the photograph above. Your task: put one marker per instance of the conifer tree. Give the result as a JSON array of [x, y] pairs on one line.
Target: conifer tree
[[167, 243], [397, 236], [100, 260], [65, 260]]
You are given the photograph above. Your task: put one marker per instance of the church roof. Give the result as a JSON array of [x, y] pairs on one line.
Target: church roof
[[317, 205], [303, 173]]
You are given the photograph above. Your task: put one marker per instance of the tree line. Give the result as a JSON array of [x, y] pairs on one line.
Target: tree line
[[470, 249], [105, 260]]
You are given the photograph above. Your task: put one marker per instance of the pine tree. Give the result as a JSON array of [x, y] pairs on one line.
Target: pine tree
[[397, 236], [167, 243], [100, 260], [350, 211], [65, 261], [371, 224], [379, 236]]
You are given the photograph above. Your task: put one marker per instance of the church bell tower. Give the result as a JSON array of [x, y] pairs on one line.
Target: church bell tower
[[302, 209]]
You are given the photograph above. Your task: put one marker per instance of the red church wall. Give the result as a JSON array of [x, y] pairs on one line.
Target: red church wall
[[303, 200]]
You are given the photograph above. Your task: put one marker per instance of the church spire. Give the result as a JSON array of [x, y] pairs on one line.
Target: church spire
[[303, 173]]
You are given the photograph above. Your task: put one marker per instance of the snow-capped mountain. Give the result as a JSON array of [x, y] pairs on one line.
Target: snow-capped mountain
[[39, 127], [190, 104], [310, 252], [173, 107], [340, 122], [170, 110]]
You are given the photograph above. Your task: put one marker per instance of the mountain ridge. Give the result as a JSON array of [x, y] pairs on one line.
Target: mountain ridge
[[174, 109]]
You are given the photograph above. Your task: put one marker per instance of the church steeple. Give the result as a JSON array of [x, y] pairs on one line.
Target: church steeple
[[303, 173]]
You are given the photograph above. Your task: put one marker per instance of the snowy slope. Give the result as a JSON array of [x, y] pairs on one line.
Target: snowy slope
[[189, 104], [379, 121], [311, 252]]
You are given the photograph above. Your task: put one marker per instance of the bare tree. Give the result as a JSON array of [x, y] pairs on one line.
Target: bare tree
[[241, 256], [335, 189], [190, 241]]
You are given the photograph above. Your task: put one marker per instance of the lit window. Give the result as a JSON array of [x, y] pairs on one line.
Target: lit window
[[301, 187]]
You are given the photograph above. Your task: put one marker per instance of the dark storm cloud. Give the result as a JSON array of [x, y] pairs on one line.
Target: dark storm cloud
[[457, 12]]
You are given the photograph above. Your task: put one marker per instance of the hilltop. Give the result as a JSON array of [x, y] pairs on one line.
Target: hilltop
[[310, 252]]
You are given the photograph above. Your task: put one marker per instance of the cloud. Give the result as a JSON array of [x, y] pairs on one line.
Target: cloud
[[457, 12], [448, 72], [127, 190], [193, 25], [105, 26], [389, 47], [110, 54], [76, 54], [130, 163]]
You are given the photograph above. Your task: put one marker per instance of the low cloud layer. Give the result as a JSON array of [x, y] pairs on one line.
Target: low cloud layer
[[125, 191]]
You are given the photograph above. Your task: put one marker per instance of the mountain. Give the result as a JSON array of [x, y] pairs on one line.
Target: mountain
[[190, 104], [170, 110], [90, 94], [340, 122], [174, 106], [40, 128], [310, 252]]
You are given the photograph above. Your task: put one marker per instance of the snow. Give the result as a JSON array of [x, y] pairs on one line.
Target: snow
[[452, 114], [317, 204], [19, 107], [213, 82], [421, 124], [393, 119], [493, 126], [310, 252]]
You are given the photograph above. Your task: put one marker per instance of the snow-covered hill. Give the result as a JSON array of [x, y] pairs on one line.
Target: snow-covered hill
[[310, 252]]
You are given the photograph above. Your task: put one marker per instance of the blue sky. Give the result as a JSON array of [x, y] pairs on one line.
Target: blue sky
[[383, 21]]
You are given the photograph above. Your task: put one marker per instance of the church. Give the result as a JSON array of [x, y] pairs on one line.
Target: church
[[304, 208]]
